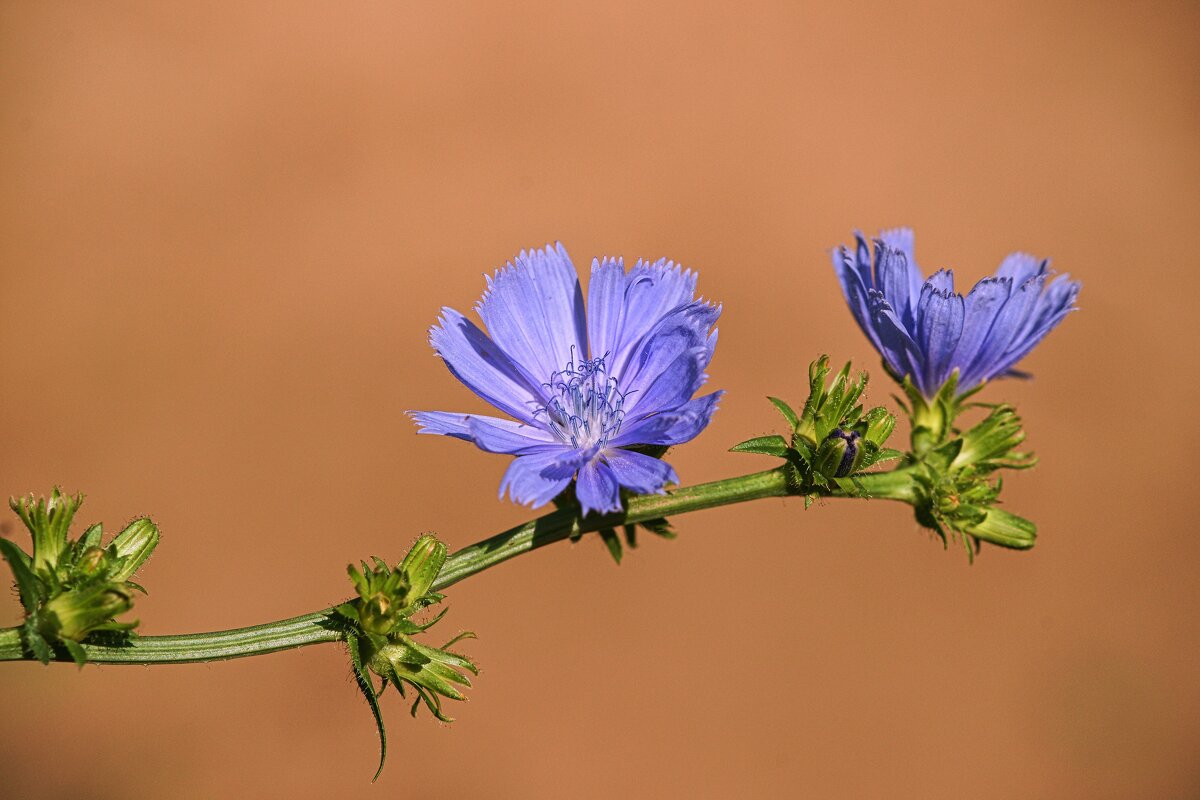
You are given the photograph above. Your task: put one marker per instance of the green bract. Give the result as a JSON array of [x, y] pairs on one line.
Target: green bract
[[71, 589], [948, 477], [380, 630], [832, 439]]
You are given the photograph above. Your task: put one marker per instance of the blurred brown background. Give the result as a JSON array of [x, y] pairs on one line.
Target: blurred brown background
[[227, 227]]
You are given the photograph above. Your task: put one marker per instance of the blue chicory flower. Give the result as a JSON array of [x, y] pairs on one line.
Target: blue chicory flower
[[924, 330], [581, 387]]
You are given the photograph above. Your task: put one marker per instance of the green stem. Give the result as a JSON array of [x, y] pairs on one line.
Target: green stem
[[553, 527]]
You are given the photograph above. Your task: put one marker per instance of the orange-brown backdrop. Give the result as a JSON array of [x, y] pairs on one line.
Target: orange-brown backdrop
[[225, 229]]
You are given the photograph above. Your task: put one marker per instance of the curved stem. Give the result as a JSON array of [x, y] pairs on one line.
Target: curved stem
[[318, 627]]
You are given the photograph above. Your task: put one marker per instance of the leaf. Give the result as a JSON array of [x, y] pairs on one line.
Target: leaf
[[631, 536], [28, 585], [772, 445], [660, 526], [91, 537], [35, 641], [363, 678], [78, 654], [613, 543], [788, 414]]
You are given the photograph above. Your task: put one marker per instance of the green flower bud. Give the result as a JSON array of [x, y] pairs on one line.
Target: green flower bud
[[880, 424], [1008, 530], [48, 521], [94, 561], [432, 671], [377, 614], [75, 614], [133, 546], [421, 566], [839, 455], [992, 443]]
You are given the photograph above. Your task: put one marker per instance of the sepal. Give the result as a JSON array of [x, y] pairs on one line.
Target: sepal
[[71, 589], [380, 630], [832, 437]]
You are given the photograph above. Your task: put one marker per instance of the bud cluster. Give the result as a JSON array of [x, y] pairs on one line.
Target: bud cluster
[[833, 437], [955, 490], [71, 589], [381, 628]]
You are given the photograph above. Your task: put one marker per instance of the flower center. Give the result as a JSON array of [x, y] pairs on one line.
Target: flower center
[[585, 409]]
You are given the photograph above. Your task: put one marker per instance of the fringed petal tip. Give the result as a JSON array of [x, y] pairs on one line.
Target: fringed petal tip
[[924, 329]]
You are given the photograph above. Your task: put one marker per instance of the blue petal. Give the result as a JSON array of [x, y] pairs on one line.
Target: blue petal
[[902, 239], [652, 291], [1057, 308], [1020, 267], [537, 479], [850, 275], [483, 367], [605, 307], [941, 324], [597, 488], [639, 472], [1009, 322], [897, 347], [982, 304], [492, 434], [673, 387], [533, 309], [672, 427], [681, 333], [942, 281], [896, 277]]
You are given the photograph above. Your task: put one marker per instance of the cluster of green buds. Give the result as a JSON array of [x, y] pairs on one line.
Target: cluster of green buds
[[380, 630], [833, 438], [73, 589], [949, 476], [956, 486]]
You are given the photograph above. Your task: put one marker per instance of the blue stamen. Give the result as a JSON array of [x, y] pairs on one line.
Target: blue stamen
[[586, 407]]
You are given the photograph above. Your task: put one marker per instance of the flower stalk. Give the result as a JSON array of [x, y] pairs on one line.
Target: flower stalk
[[321, 627]]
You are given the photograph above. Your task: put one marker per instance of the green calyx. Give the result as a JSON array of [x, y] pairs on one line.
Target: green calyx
[[833, 439], [958, 489], [947, 477], [72, 589], [380, 632]]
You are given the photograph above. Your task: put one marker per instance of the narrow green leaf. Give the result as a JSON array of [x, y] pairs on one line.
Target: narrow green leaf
[[788, 414], [363, 678], [35, 641], [771, 445], [660, 526], [91, 537], [631, 536], [613, 543], [28, 585], [78, 654]]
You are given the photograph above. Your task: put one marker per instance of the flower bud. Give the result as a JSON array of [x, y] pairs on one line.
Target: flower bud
[[377, 614], [133, 546], [993, 443], [880, 424], [48, 520], [93, 562], [1007, 530], [77, 613], [432, 671], [839, 455], [422, 565]]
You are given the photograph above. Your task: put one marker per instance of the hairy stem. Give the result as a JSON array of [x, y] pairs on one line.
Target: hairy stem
[[318, 627]]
